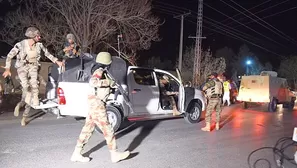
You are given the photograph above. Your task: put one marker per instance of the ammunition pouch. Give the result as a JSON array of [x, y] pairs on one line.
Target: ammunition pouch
[[216, 96]]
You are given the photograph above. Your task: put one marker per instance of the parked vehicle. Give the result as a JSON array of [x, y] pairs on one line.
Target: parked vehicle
[[67, 93], [266, 88], [233, 92]]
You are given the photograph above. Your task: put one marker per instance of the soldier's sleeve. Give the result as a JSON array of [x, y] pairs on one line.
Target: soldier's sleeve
[[12, 53], [48, 54], [208, 85], [96, 80]]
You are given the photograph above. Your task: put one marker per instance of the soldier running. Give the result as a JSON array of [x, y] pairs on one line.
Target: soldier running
[[214, 92], [100, 84], [28, 54]]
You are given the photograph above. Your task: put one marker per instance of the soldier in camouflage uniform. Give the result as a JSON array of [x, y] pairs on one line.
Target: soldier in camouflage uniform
[[28, 53], [214, 92], [164, 81], [100, 89], [71, 49]]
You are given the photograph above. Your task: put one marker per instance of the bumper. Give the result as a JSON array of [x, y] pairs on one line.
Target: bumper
[[45, 104]]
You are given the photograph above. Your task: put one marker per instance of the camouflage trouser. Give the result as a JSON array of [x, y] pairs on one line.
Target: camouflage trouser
[[28, 76], [172, 102], [213, 104], [97, 116]]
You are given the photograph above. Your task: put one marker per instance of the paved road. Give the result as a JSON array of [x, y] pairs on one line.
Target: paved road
[[48, 143]]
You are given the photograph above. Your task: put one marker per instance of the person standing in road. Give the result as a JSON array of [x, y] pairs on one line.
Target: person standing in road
[[100, 84], [28, 54], [214, 92], [227, 88]]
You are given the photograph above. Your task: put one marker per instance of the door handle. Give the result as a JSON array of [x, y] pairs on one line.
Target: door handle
[[135, 91]]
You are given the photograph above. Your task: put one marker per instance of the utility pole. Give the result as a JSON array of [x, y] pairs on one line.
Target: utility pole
[[180, 59], [198, 49]]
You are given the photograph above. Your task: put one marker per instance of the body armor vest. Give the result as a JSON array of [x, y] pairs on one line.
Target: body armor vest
[[217, 89]]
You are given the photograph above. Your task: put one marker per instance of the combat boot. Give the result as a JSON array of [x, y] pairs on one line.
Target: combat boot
[[17, 109], [207, 127], [118, 156], [23, 121], [176, 113], [77, 157], [218, 126]]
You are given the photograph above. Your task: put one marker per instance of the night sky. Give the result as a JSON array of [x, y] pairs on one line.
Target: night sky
[[280, 15], [274, 10]]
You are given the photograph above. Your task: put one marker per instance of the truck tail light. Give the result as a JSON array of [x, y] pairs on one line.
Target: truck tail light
[[61, 96]]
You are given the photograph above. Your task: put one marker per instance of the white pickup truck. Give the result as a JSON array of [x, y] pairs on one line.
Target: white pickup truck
[[67, 93]]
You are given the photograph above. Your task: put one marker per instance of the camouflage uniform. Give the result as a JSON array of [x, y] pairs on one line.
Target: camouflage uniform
[[28, 67], [214, 103], [100, 84], [169, 95], [27, 64], [75, 49]]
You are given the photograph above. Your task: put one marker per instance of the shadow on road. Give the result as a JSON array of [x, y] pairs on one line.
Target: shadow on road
[[35, 115], [146, 128], [227, 118]]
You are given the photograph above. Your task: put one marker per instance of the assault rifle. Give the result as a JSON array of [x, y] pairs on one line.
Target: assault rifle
[[121, 89]]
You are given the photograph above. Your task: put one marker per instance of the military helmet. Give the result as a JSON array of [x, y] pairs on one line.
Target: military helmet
[[32, 32], [166, 78], [104, 58], [70, 36], [213, 74]]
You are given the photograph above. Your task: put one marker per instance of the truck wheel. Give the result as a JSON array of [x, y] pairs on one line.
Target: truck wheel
[[244, 105], [233, 100], [291, 104], [193, 115], [272, 105], [114, 117]]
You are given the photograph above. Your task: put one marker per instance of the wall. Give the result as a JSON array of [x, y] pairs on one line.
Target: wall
[[44, 71]]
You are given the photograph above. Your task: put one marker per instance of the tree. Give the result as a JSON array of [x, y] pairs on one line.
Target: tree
[[96, 24], [209, 64], [156, 62], [32, 13], [226, 53], [239, 63], [268, 66], [288, 68]]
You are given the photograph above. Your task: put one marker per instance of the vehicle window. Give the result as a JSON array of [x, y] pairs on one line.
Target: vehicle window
[[143, 76], [72, 70], [173, 85]]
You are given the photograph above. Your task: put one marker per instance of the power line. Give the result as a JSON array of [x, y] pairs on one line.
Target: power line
[[246, 26], [262, 10], [283, 34], [223, 31], [226, 25], [268, 16], [244, 35], [232, 35], [212, 20], [249, 9]]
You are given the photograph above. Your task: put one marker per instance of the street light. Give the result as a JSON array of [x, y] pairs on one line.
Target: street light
[[248, 62]]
